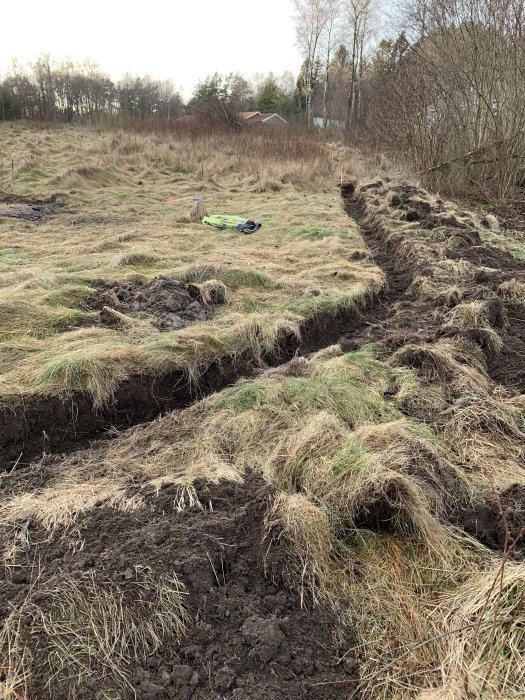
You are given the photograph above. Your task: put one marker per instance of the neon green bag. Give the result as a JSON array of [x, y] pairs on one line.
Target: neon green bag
[[238, 223]]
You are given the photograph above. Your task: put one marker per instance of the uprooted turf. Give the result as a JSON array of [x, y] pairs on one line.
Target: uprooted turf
[[337, 483], [360, 509]]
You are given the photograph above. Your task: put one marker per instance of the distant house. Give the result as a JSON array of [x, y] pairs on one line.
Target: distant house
[[330, 123], [262, 118], [245, 116]]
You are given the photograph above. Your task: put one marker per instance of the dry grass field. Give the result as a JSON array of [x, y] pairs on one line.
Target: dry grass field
[[116, 225], [343, 517]]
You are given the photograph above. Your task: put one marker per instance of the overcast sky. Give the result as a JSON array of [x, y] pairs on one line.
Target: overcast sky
[[180, 40]]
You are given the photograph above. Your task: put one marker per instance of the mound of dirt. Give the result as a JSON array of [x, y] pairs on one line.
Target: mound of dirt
[[248, 637], [25, 208], [166, 302], [499, 521], [410, 317]]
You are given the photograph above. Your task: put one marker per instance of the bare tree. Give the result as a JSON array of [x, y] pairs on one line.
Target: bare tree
[[358, 15], [311, 20], [330, 40], [456, 100]]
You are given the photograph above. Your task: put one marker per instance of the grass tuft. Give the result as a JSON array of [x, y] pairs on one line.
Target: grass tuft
[[82, 630]]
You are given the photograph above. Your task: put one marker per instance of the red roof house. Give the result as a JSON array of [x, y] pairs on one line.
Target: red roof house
[[262, 118]]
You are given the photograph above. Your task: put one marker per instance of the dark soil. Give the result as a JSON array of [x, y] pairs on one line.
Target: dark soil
[[499, 522], [398, 276], [26, 209], [510, 213], [55, 424], [512, 216], [249, 637], [406, 318], [507, 367], [392, 319], [98, 220], [166, 302]]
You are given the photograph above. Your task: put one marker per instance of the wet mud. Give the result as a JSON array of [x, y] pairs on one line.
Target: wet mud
[[25, 208]]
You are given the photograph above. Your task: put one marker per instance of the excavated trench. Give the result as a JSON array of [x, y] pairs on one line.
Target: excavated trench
[[392, 318], [498, 522], [404, 317], [52, 425], [250, 637]]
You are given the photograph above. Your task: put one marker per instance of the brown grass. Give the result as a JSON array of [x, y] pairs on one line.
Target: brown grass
[[300, 264], [363, 491], [84, 630]]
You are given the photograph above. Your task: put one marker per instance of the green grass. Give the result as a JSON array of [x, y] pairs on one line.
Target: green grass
[[351, 458], [512, 241], [11, 256]]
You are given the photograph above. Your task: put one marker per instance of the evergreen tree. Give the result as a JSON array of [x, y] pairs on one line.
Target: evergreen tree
[[209, 90], [271, 96]]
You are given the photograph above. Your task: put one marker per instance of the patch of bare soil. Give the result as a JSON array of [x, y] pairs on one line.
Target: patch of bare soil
[[98, 220], [166, 302], [26, 209], [248, 637], [413, 317], [510, 213], [499, 523], [408, 317]]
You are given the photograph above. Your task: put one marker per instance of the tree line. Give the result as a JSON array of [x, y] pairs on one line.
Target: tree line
[[69, 92], [446, 95], [73, 92]]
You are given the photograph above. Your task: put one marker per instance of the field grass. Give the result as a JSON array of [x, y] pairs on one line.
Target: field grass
[[369, 453], [116, 225]]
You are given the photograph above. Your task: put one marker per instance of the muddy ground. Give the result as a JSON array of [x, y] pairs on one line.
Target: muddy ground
[[25, 208], [405, 318], [166, 302], [248, 637]]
